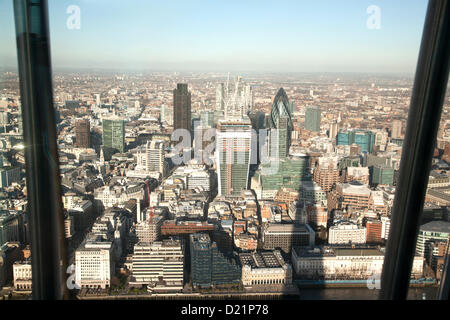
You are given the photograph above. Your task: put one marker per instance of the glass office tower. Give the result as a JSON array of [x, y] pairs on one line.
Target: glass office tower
[[233, 154], [114, 134], [182, 107], [312, 119], [280, 124], [363, 138], [210, 267]]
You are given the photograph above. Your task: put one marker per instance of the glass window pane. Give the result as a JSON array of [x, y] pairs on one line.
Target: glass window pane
[[15, 254], [210, 148]]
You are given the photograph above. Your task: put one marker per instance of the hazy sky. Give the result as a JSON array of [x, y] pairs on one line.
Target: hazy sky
[[230, 35]]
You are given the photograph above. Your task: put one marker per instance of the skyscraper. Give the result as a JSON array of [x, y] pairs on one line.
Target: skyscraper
[[363, 138], [292, 107], [396, 129], [247, 98], [233, 154], [207, 119], [83, 134], [280, 123], [220, 97], [182, 107], [312, 119], [209, 266], [114, 134], [160, 262], [152, 159], [97, 99], [382, 174], [333, 131]]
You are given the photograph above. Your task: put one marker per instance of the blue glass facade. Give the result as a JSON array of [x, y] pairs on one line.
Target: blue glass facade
[[363, 138], [312, 119], [209, 266]]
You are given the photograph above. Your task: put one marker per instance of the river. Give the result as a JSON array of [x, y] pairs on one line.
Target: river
[[362, 294]]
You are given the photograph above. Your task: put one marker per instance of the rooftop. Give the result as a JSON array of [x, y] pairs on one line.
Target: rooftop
[[338, 252], [288, 227], [269, 259], [436, 226]]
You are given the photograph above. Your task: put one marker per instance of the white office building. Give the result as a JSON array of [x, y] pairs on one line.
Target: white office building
[[22, 275], [93, 265], [385, 227], [347, 233], [343, 263], [159, 265], [265, 268]]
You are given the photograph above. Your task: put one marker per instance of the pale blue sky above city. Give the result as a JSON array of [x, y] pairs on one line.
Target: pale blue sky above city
[[236, 36]]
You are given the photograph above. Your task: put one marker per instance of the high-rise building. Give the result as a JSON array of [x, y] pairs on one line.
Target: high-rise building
[[182, 107], [4, 118], [285, 236], [9, 228], [159, 265], [8, 175], [152, 159], [114, 134], [280, 123], [97, 99], [279, 139], [203, 142], [312, 118], [233, 154], [333, 131], [353, 195], [83, 133], [207, 119], [396, 129], [292, 107], [374, 230], [147, 232], [165, 114], [290, 173], [326, 173], [382, 174], [248, 98], [346, 233], [220, 97], [385, 227], [94, 265], [360, 174], [363, 138], [209, 266], [429, 232], [381, 138], [22, 275]]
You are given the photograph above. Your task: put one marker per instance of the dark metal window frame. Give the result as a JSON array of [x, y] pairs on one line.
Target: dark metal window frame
[[41, 152], [427, 99], [41, 155]]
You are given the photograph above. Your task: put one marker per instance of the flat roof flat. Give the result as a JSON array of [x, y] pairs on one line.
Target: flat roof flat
[[436, 226]]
